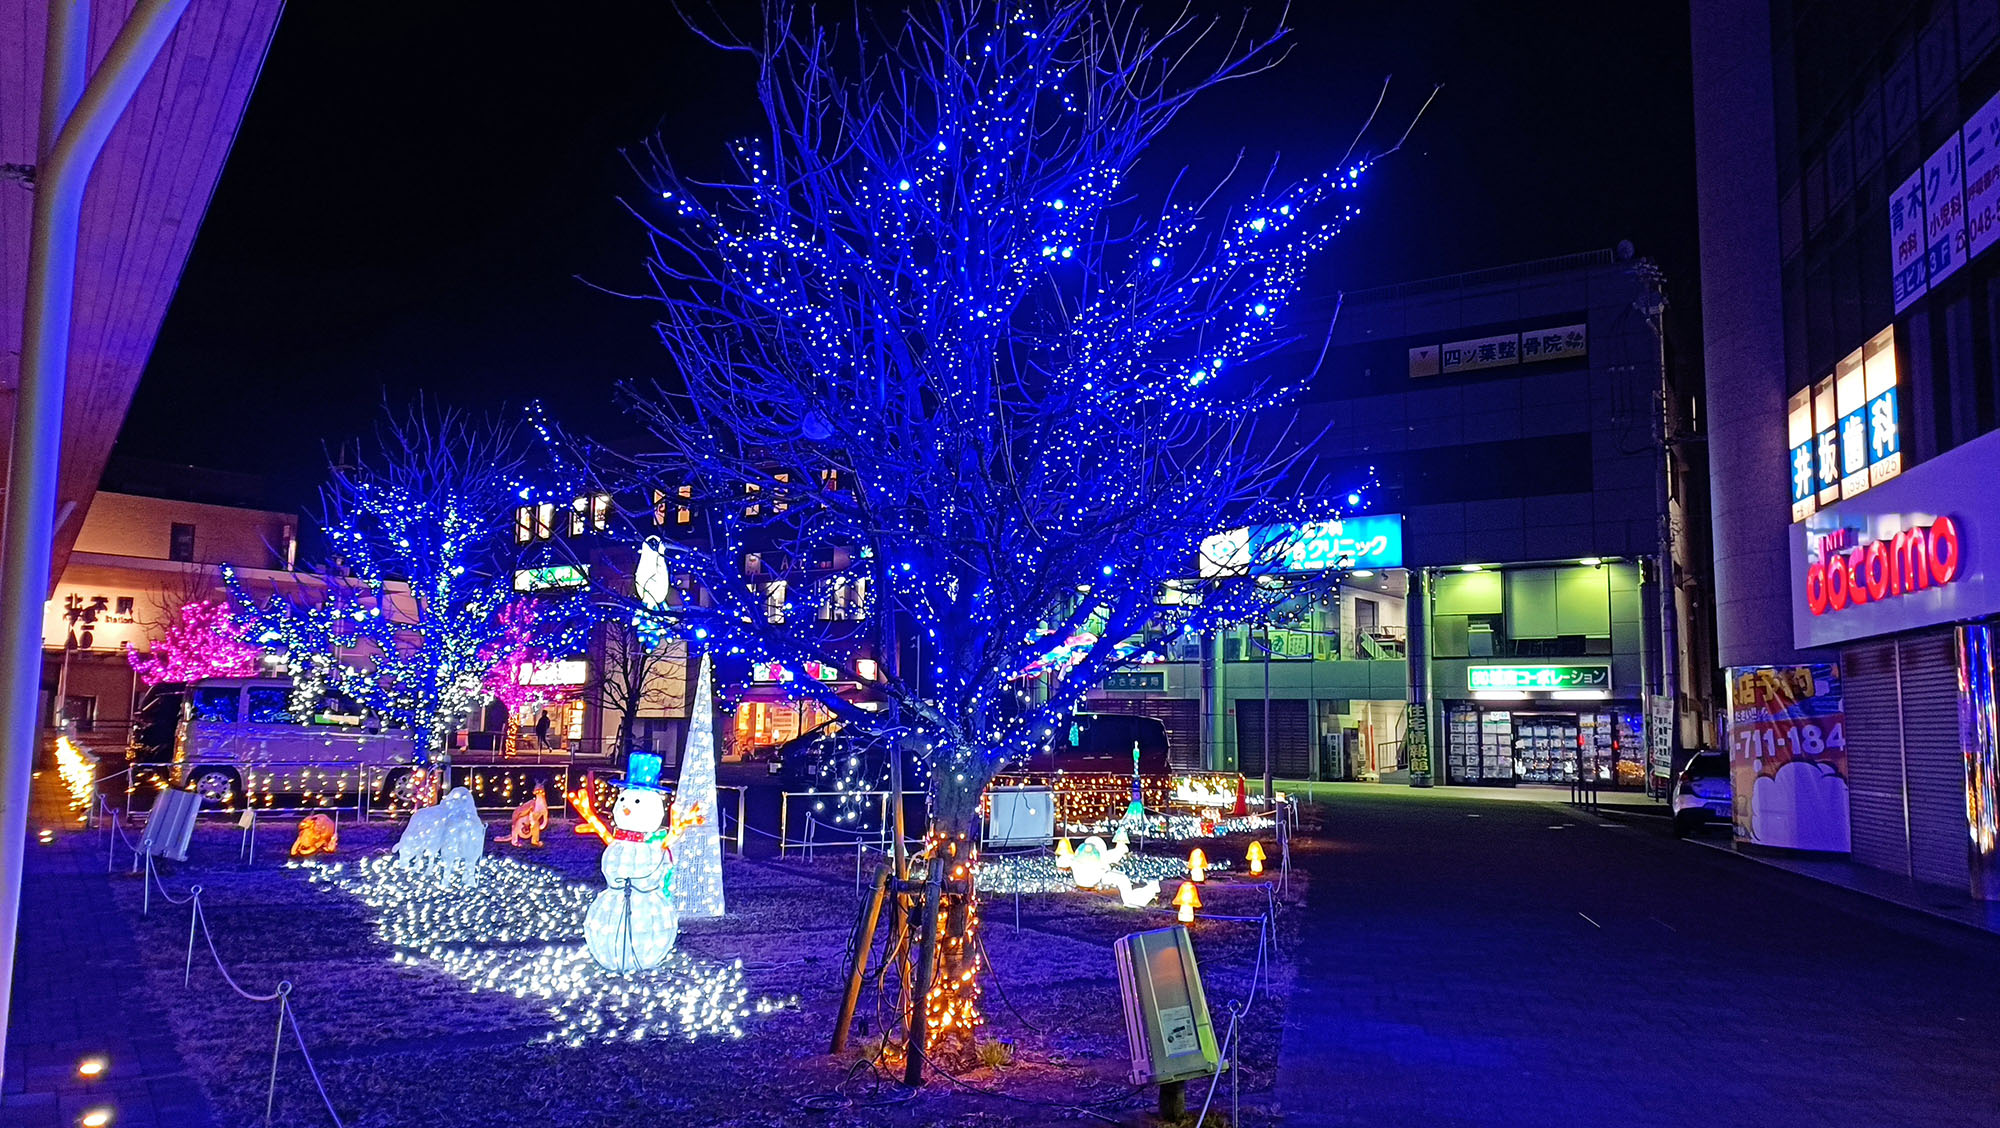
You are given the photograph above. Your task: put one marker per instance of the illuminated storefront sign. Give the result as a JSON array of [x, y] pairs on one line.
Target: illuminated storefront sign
[[554, 577], [1948, 210], [1373, 541], [569, 671], [1502, 350], [1845, 432], [1534, 678], [1913, 552], [777, 672], [1850, 568], [1136, 681]]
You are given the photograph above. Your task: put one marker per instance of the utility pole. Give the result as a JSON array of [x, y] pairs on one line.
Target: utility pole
[[1652, 304]]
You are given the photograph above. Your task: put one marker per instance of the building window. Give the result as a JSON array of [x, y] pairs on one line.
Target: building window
[[524, 524], [578, 513], [81, 713], [659, 507], [684, 513], [180, 543], [778, 500], [829, 479], [750, 492], [545, 520], [600, 511]]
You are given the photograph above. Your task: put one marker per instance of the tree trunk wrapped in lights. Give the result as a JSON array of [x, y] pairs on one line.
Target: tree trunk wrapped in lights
[[950, 396]]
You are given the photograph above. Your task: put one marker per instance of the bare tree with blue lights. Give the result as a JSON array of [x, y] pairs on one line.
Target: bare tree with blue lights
[[943, 375], [403, 613]]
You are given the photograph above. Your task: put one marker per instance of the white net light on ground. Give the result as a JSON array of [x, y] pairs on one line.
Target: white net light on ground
[[518, 931], [698, 846]]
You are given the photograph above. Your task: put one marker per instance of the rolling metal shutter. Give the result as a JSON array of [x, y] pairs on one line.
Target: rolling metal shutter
[[1291, 737], [1180, 715], [1873, 728], [1934, 763]]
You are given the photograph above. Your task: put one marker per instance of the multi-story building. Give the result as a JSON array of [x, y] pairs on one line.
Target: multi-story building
[[1503, 619], [137, 559], [1848, 201]]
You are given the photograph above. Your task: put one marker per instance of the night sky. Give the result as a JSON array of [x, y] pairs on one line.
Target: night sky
[[417, 189]]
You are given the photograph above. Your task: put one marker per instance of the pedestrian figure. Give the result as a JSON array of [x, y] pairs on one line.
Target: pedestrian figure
[[542, 729]]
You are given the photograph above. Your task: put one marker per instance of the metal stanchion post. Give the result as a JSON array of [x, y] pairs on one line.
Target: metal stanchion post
[[194, 916], [271, 1095]]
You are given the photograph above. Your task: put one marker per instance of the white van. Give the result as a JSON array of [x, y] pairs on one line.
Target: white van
[[239, 745]]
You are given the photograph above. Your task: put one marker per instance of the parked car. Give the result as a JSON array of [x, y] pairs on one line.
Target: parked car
[[1701, 793], [1103, 742], [236, 742], [838, 756]]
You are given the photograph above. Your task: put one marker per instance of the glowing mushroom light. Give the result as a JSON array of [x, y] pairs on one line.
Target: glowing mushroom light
[[1189, 900]]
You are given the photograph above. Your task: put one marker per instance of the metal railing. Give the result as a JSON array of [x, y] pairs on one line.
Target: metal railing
[[822, 833]]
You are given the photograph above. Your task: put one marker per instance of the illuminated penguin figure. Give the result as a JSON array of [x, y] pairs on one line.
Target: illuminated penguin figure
[[632, 925]]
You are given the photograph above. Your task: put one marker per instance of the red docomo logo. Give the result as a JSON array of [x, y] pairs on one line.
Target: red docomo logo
[[1914, 559]]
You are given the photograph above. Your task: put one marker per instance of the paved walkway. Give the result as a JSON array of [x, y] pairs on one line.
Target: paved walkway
[[1524, 793], [77, 994], [1499, 963]]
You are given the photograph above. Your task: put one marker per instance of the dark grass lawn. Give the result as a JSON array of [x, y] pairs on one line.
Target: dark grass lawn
[[402, 1041]]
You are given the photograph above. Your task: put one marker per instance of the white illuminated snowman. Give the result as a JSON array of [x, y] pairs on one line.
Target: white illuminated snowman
[[631, 926]]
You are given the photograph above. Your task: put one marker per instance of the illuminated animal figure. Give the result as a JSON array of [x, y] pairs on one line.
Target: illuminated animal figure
[[530, 820], [317, 835], [1092, 865], [449, 834], [632, 925], [1093, 860], [1134, 896]]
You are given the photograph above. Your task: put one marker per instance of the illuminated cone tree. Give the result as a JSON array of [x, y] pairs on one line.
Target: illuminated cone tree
[[959, 391]]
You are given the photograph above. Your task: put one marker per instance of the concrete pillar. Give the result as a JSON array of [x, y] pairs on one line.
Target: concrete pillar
[[1214, 712], [1743, 329]]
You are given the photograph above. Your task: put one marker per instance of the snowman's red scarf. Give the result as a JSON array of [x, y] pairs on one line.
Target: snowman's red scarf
[[622, 835]]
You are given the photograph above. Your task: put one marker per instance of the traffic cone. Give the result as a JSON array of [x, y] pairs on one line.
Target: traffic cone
[[1242, 799]]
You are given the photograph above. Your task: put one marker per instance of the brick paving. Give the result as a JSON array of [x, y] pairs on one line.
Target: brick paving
[[77, 993], [1482, 963]]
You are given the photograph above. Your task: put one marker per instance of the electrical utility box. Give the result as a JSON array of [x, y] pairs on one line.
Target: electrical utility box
[[1166, 1012], [1021, 816]]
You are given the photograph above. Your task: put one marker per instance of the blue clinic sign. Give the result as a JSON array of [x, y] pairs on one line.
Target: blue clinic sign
[[1371, 541]]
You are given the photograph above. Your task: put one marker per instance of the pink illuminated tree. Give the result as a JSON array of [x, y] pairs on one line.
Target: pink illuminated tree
[[518, 660], [206, 641]]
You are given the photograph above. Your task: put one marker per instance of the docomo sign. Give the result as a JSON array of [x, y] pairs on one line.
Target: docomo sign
[[1914, 559]]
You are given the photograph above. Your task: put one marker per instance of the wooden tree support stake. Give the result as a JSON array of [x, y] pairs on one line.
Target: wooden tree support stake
[[864, 941], [913, 1069]]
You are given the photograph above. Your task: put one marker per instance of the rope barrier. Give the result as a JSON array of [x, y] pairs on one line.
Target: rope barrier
[[1237, 1011], [198, 920]]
